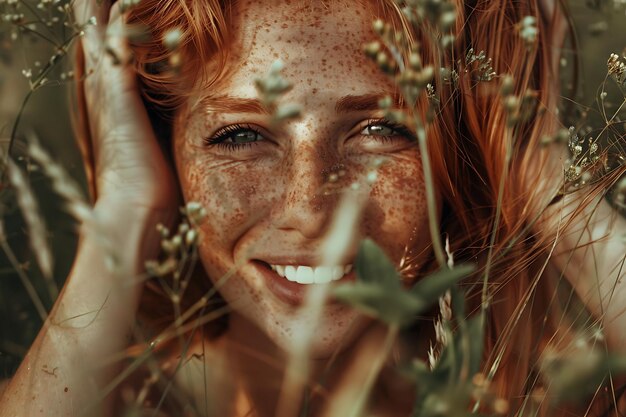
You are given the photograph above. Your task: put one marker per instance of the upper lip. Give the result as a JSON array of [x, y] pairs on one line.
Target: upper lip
[[304, 260]]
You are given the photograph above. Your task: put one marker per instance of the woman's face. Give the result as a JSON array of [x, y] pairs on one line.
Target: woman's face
[[271, 191]]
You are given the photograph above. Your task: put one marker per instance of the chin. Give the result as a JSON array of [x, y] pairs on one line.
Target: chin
[[332, 336]]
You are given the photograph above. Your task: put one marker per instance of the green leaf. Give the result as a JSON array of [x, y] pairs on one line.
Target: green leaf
[[434, 285], [379, 291], [393, 306], [427, 380], [372, 265], [476, 340]]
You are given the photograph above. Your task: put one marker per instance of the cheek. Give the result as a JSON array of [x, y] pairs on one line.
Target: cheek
[[396, 215], [235, 196]]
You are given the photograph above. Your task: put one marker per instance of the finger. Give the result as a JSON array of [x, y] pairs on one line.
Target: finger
[[89, 52], [115, 11], [86, 11], [555, 22], [126, 153], [81, 122], [116, 40], [114, 85]]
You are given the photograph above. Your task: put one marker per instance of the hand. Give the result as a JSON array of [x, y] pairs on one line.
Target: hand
[[135, 188], [588, 233], [124, 160]]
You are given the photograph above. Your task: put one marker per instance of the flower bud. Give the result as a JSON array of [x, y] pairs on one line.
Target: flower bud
[[172, 39], [379, 27], [425, 76], [372, 49], [415, 61], [511, 103], [447, 20], [508, 86]]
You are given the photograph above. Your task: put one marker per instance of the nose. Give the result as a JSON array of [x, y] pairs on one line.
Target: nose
[[304, 206]]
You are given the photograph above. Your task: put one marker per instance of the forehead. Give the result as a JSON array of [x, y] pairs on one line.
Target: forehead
[[301, 21], [320, 43]]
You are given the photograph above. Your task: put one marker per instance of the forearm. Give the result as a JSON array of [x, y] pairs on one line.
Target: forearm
[[591, 252], [70, 361]]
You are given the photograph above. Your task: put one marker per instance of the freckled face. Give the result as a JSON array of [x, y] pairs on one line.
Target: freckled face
[[267, 188]]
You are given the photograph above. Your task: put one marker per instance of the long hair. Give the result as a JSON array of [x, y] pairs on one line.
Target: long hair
[[473, 151]]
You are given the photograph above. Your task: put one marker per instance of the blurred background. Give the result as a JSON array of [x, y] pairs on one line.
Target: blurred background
[[600, 27]]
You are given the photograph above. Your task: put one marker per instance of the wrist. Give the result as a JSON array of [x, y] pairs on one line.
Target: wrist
[[130, 226]]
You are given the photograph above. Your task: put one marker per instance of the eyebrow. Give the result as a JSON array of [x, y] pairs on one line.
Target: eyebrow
[[346, 104], [365, 102], [230, 104]]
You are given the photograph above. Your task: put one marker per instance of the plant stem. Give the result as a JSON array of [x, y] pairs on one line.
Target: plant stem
[[30, 289], [375, 369], [505, 170], [431, 201], [18, 118], [39, 34]]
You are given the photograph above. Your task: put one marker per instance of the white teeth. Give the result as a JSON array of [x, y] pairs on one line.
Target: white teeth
[[337, 272], [290, 273], [323, 274], [279, 269], [305, 275], [310, 275]]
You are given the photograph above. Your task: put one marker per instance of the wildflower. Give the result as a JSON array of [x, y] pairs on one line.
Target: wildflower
[[479, 65], [616, 68], [172, 39], [528, 31]]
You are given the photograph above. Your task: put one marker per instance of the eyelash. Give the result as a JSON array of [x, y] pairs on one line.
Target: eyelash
[[221, 136], [399, 129]]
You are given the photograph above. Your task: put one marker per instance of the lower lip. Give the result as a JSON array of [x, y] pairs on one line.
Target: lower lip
[[291, 292]]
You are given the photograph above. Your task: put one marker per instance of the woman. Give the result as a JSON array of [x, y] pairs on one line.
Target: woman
[[265, 190]]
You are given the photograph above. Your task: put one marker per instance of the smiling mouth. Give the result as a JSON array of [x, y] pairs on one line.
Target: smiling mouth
[[303, 274]]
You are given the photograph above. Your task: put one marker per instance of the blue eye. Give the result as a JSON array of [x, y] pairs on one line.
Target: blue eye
[[384, 128], [245, 136], [234, 137], [378, 130]]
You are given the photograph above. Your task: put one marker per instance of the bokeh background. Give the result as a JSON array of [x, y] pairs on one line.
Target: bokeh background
[[600, 27]]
